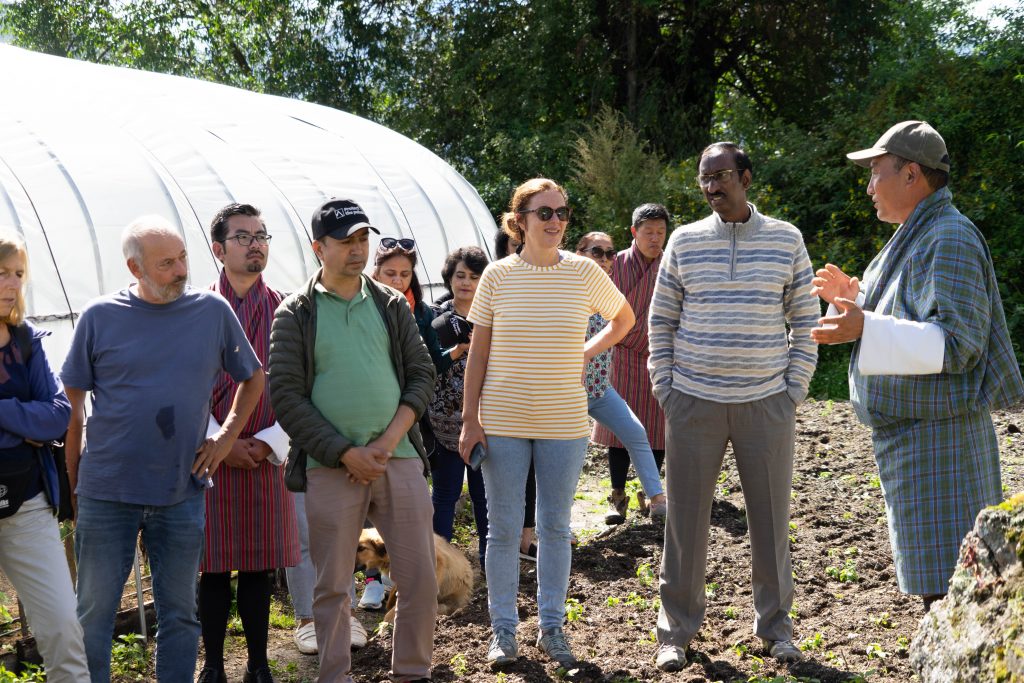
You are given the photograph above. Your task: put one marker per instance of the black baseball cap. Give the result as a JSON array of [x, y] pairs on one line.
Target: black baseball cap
[[339, 218]]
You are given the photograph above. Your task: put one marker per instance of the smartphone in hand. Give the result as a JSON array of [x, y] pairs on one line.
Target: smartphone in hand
[[477, 456]]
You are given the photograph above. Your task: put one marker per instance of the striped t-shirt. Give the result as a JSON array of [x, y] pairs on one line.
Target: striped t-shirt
[[538, 318]]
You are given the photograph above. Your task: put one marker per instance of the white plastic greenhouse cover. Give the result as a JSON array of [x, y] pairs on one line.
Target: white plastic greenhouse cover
[[85, 149]]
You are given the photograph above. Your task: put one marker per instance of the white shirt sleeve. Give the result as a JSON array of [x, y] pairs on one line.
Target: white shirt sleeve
[[274, 436], [891, 346]]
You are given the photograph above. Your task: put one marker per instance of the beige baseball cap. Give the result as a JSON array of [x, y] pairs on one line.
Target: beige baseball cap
[[913, 140]]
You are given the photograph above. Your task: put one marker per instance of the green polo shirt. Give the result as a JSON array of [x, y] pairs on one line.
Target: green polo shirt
[[355, 386]]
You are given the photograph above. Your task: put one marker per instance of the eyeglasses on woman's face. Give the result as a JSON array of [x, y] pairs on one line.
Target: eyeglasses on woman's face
[[546, 212], [599, 253]]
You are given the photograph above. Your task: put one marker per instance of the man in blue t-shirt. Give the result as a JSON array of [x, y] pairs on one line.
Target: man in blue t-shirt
[[150, 354]]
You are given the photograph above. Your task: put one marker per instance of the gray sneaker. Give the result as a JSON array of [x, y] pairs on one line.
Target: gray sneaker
[[502, 650], [670, 657], [783, 651], [552, 641]]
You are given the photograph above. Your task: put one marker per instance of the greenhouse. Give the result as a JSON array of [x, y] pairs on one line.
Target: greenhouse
[[85, 149]]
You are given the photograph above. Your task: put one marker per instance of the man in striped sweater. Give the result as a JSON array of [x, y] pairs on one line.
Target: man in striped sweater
[[731, 357]]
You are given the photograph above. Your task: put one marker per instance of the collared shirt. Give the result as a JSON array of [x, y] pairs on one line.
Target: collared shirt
[[355, 388]]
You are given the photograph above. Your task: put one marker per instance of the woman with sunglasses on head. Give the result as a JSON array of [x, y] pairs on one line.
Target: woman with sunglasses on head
[[461, 274], [395, 266], [604, 403], [33, 410], [524, 401]]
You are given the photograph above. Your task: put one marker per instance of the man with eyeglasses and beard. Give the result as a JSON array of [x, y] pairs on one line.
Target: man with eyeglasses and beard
[[151, 355], [932, 356], [250, 515], [350, 378], [731, 357], [634, 272]]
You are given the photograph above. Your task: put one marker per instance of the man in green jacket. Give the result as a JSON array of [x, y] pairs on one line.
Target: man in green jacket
[[349, 380]]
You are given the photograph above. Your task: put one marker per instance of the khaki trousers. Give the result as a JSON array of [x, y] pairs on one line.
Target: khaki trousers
[[762, 436], [398, 504]]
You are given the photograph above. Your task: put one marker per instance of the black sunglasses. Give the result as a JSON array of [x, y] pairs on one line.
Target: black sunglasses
[[404, 242], [546, 212], [598, 252]]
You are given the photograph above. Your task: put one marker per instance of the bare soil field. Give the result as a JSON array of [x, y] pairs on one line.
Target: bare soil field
[[849, 617]]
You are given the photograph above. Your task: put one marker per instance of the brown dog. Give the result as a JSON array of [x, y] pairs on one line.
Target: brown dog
[[454, 573]]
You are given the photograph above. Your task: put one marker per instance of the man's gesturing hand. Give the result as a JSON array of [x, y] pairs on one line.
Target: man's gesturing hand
[[838, 329], [831, 283]]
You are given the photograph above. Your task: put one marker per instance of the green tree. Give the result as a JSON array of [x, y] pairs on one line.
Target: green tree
[[616, 171]]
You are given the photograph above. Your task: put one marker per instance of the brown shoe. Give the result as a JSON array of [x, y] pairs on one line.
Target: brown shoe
[[641, 504], [617, 504]]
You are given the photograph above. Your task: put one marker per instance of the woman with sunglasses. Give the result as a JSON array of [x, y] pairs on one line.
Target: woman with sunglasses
[[524, 401], [34, 410], [605, 405]]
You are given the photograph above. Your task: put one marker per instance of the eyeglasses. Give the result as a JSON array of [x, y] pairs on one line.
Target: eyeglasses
[[598, 252], [705, 179], [546, 212], [244, 239], [404, 242]]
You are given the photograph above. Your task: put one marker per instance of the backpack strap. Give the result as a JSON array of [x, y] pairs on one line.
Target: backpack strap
[[22, 336]]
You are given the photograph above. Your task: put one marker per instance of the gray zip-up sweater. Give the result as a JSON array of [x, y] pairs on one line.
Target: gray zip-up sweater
[[725, 295]]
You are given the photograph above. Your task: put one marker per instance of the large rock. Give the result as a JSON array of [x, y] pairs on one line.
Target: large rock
[[977, 632]]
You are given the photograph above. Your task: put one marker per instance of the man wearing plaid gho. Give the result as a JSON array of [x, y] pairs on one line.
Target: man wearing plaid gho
[[931, 357]]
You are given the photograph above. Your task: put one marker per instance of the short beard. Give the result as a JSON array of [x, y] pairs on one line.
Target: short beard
[[167, 293], [254, 267]]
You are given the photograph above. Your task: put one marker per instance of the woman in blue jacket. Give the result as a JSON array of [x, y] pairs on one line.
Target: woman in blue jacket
[[33, 411]]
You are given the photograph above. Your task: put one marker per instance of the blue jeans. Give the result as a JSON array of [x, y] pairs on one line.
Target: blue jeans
[[447, 470], [105, 539], [614, 413], [558, 463]]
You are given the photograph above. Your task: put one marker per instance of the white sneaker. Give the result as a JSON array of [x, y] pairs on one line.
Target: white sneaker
[[374, 593], [357, 639], [305, 639], [670, 657], [783, 651]]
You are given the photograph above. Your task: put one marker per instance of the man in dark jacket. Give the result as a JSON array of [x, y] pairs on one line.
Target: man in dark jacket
[[349, 379]]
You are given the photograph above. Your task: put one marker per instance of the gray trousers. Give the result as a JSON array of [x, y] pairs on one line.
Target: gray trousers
[[762, 436]]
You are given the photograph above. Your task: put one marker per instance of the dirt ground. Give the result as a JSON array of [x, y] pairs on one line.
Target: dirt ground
[[849, 616]]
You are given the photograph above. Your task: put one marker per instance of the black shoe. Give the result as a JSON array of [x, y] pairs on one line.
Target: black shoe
[[260, 675], [211, 674]]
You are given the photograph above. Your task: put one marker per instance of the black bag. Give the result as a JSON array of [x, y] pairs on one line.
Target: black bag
[[19, 469], [63, 502]]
